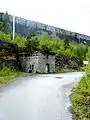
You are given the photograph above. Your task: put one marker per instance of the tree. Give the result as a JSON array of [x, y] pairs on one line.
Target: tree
[[1, 26], [32, 45]]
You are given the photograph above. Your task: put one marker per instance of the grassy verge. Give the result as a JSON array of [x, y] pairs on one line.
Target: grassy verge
[[81, 97], [7, 74]]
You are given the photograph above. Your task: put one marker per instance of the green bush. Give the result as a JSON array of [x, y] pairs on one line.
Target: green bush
[[20, 41], [5, 37], [88, 54], [32, 45], [81, 97]]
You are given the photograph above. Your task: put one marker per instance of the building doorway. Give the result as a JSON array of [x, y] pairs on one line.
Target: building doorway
[[31, 68], [47, 68]]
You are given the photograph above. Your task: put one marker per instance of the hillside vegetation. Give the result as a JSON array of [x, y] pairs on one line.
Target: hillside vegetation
[[7, 74], [81, 95], [48, 45]]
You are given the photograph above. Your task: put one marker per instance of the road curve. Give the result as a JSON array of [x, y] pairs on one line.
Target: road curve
[[40, 97]]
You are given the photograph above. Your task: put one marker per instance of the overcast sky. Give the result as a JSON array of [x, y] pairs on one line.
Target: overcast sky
[[73, 15]]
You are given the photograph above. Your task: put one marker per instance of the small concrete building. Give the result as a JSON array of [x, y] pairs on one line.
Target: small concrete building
[[37, 63]]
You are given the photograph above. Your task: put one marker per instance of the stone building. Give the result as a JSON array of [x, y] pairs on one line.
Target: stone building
[[37, 63]]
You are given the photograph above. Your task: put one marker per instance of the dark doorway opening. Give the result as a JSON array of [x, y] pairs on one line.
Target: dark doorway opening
[[48, 68], [31, 68]]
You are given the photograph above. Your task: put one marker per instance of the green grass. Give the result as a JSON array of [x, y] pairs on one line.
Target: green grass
[[81, 97], [7, 74]]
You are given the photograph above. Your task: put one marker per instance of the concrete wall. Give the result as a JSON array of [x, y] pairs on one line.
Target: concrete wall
[[29, 27]]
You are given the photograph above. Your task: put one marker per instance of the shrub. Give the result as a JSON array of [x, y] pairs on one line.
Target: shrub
[[81, 97]]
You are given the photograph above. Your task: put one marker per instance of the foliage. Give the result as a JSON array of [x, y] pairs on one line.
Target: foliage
[[81, 52], [5, 37], [45, 44], [88, 54], [20, 41], [4, 52], [56, 46], [81, 97], [78, 51], [1, 26], [51, 45], [48, 45], [7, 74], [32, 44]]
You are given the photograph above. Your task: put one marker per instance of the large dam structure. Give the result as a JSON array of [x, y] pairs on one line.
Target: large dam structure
[[28, 27]]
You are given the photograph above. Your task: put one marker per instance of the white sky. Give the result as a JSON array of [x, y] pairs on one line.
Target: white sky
[[73, 15]]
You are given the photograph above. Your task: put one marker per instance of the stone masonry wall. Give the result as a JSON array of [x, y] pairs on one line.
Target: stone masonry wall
[[27, 61], [38, 63]]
